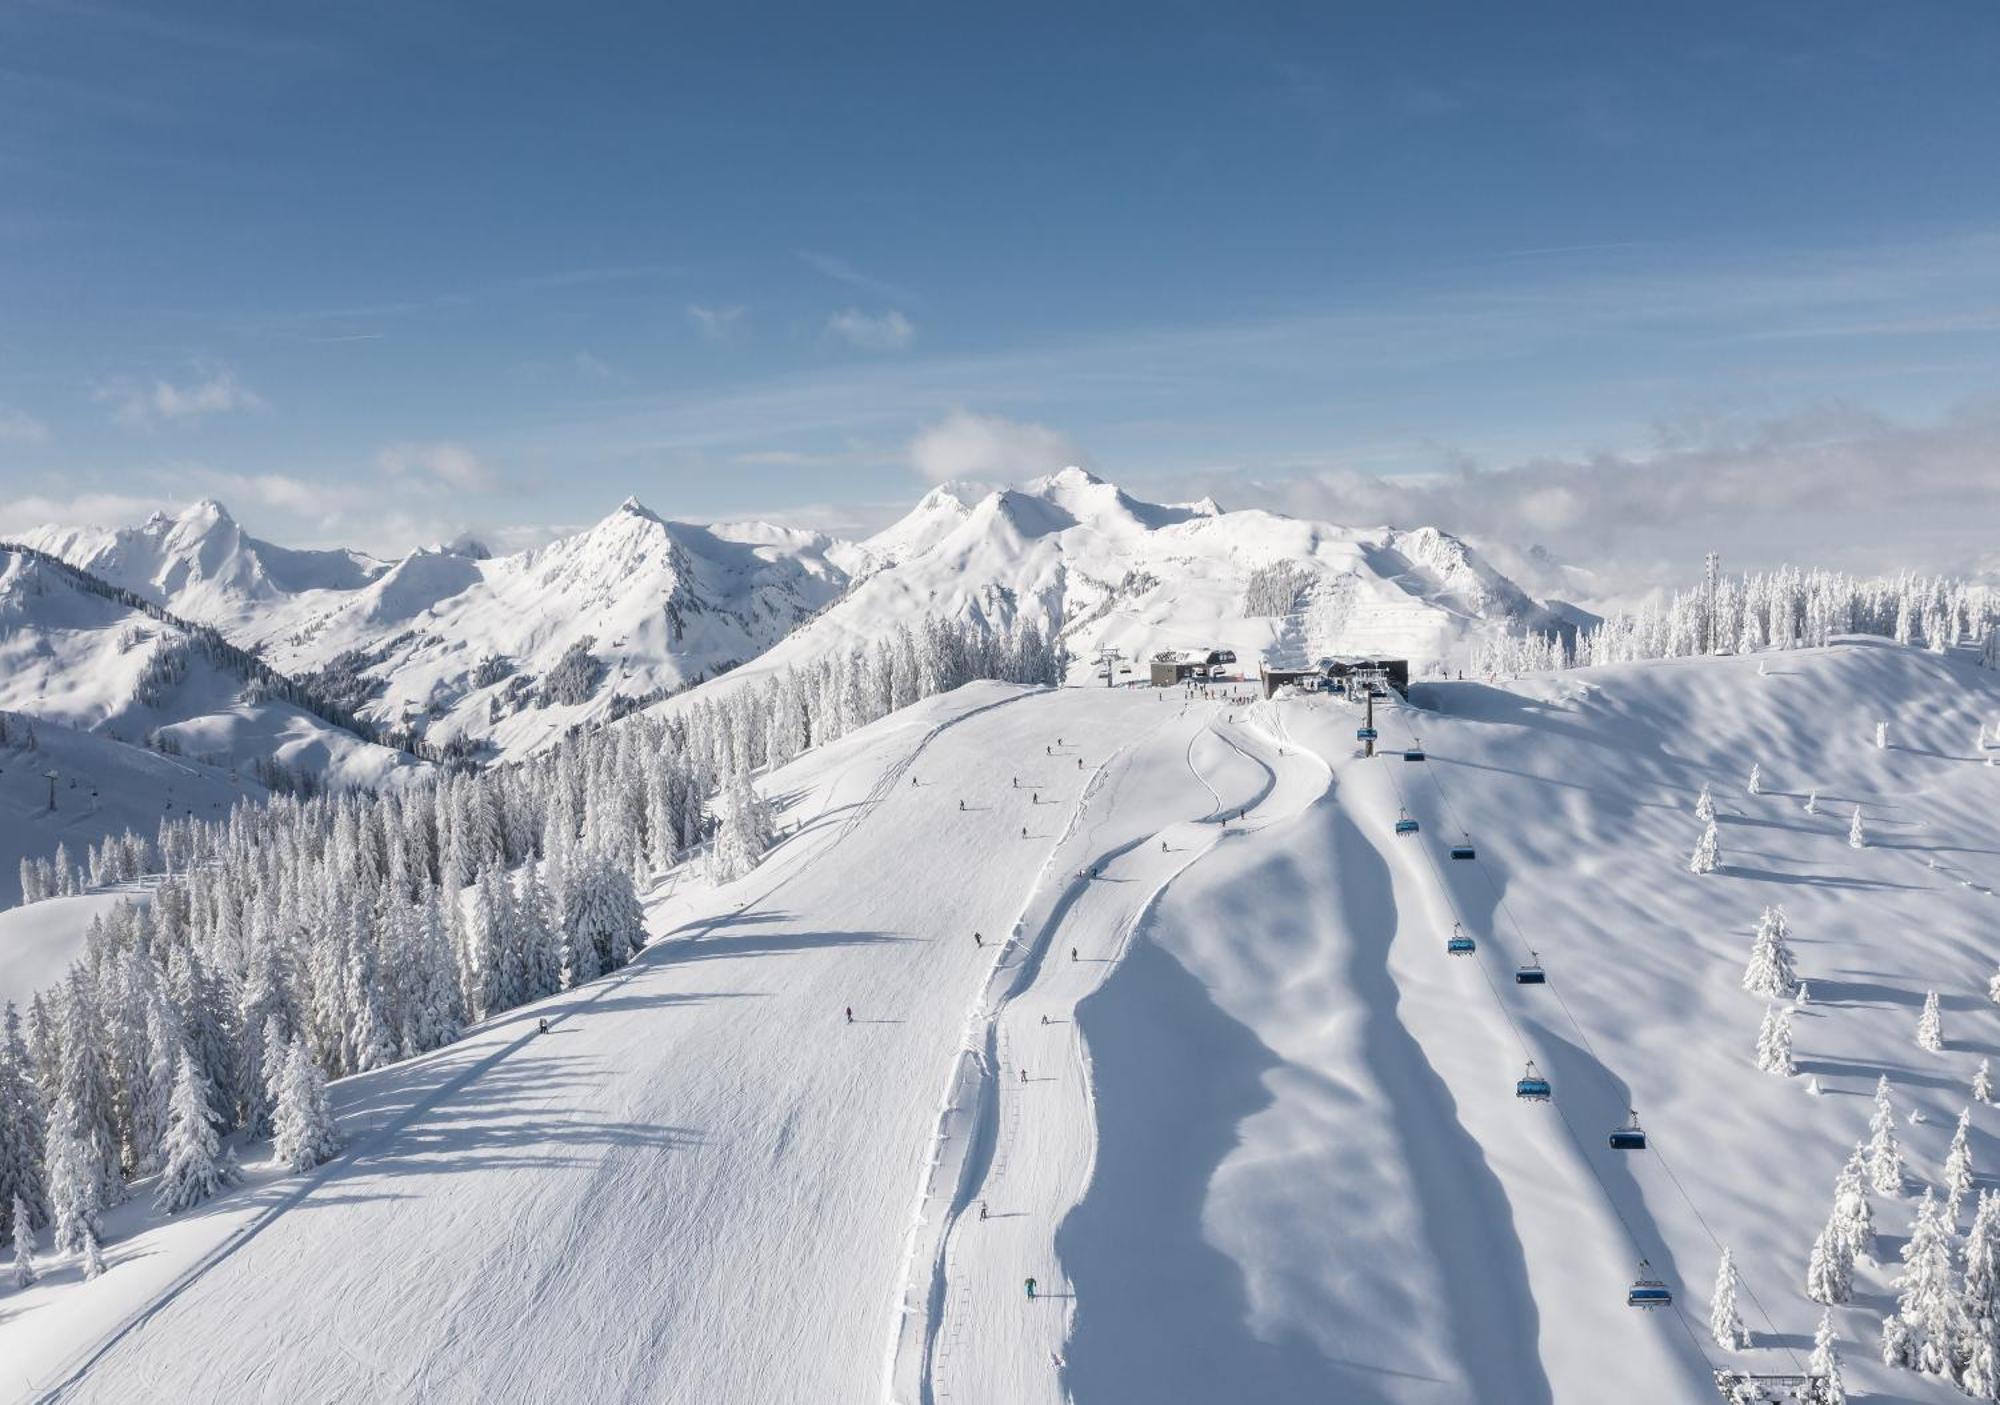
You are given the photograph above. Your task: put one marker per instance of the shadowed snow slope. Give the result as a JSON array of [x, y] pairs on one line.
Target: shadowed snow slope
[[1208, 1076]]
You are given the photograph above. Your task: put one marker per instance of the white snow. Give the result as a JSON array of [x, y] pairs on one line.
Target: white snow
[[1268, 1147]]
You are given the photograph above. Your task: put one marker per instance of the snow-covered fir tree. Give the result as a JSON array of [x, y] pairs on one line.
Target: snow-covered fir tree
[[1979, 1303], [1930, 1026], [1755, 785], [1774, 1042], [1881, 736], [306, 1135], [1925, 1331], [1958, 1168], [24, 1244], [1829, 1269], [1982, 1082], [1725, 1323], [743, 832], [195, 1165], [1885, 1154], [1704, 805], [1812, 801], [1825, 1363], [1707, 851], [1857, 836], [1770, 972]]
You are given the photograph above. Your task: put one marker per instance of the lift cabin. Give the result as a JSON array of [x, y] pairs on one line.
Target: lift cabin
[[1630, 1137], [1406, 825], [1413, 753], [1464, 850], [1532, 973], [1532, 1087], [1366, 734], [1459, 944], [1648, 1291]]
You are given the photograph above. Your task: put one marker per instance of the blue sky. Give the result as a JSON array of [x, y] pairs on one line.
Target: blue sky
[[375, 273]]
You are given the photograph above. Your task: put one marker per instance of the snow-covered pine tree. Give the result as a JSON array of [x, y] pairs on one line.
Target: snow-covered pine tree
[[1774, 1042], [76, 1192], [1755, 785], [1885, 1156], [1770, 972], [743, 831], [1857, 837], [93, 1255], [1979, 1303], [195, 1165], [1958, 1168], [22, 1134], [1829, 1270], [1707, 851], [1925, 1331], [1982, 1082], [306, 1135], [1825, 1363], [1930, 1027], [1725, 1323], [541, 950], [1812, 801], [24, 1245], [1881, 736], [1704, 805]]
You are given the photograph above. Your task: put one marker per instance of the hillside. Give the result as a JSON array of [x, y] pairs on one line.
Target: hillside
[[1209, 1076]]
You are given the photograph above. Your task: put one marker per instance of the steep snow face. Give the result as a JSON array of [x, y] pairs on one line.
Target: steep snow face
[[514, 650], [1082, 558]]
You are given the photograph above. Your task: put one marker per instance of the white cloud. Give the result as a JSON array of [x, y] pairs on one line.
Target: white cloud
[[841, 271], [968, 445], [443, 464], [719, 324], [19, 513], [1828, 485], [891, 331], [215, 392], [20, 427]]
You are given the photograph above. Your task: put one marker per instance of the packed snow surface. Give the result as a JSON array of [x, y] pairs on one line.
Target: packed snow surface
[[1207, 1075]]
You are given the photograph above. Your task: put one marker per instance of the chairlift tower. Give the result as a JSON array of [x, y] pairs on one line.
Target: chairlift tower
[[50, 776], [1108, 660]]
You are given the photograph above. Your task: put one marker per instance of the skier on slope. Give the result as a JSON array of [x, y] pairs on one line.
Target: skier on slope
[[978, 940], [1072, 953], [850, 1014], [1031, 1287], [541, 1026]]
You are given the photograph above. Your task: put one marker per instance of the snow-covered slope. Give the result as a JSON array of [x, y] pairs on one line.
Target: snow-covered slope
[[87, 662], [1082, 558], [1208, 1075]]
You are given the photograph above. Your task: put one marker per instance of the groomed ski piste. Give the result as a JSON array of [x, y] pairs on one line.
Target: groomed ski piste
[[1208, 1072]]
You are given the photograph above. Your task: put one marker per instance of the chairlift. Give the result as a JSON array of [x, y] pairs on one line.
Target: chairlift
[[1365, 734], [1459, 944], [1630, 1137], [1532, 973], [1406, 825], [1532, 1087], [1647, 1291], [1413, 753], [1464, 850]]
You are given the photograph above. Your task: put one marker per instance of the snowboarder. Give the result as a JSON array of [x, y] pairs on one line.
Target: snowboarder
[[961, 805], [978, 940], [1024, 1075], [1031, 1287], [1163, 846], [982, 1209], [1079, 763], [1024, 831], [1072, 953], [1045, 1019], [850, 1014], [913, 780], [541, 1026]]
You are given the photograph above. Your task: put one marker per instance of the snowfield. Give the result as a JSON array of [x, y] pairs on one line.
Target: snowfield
[[1207, 1074]]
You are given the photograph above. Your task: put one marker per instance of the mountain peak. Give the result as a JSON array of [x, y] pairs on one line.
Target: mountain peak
[[1071, 477], [207, 510]]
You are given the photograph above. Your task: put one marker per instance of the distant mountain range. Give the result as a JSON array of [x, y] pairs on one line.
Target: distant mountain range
[[500, 654]]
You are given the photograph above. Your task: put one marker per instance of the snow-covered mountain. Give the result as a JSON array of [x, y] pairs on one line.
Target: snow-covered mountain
[[457, 645], [502, 654], [1087, 561], [81, 658]]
